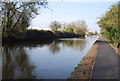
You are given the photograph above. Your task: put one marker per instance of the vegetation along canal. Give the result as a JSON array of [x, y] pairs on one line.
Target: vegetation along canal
[[52, 60]]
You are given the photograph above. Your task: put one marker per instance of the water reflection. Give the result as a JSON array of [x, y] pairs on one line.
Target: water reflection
[[75, 44], [16, 63], [54, 47], [78, 44], [44, 60]]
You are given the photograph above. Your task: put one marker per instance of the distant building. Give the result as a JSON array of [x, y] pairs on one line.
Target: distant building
[[92, 32]]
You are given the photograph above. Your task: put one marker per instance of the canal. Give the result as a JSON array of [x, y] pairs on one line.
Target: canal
[[44, 60]]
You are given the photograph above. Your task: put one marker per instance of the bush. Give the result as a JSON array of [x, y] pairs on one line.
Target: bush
[[109, 24]]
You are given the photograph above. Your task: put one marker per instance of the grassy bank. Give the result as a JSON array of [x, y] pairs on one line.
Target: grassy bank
[[84, 68], [38, 35]]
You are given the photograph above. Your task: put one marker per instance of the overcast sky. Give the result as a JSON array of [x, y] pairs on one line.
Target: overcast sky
[[66, 12]]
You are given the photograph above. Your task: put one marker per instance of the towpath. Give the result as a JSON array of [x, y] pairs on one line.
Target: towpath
[[106, 63]]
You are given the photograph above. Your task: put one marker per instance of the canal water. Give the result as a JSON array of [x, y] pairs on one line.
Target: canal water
[[44, 60]]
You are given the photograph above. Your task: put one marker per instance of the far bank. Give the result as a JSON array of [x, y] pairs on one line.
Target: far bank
[[37, 35]]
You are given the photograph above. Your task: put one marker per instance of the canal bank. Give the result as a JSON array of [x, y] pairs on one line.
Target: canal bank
[[101, 62], [37, 36], [84, 68]]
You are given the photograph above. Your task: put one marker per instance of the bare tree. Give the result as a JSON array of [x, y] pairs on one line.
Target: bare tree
[[55, 25], [78, 27]]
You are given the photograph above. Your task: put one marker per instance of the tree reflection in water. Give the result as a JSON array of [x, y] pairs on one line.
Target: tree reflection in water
[[54, 47], [16, 63], [77, 44]]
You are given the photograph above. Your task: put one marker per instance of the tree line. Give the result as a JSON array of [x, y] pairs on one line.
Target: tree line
[[77, 27], [109, 24]]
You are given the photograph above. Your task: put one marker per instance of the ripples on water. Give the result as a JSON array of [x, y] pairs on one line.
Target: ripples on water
[[47, 60]]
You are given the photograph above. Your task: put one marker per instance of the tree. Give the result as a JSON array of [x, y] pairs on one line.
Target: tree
[[55, 25], [109, 24], [78, 27], [16, 15], [70, 28]]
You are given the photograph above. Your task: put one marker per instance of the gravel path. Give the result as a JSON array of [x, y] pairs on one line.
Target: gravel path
[[106, 62]]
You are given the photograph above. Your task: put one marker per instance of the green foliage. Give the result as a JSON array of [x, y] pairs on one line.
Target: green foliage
[[80, 31], [69, 29], [55, 25], [16, 15], [109, 24], [112, 33]]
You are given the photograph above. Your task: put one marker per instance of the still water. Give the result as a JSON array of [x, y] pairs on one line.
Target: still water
[[50, 60]]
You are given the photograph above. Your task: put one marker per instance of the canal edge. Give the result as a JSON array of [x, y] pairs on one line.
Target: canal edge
[[90, 56]]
